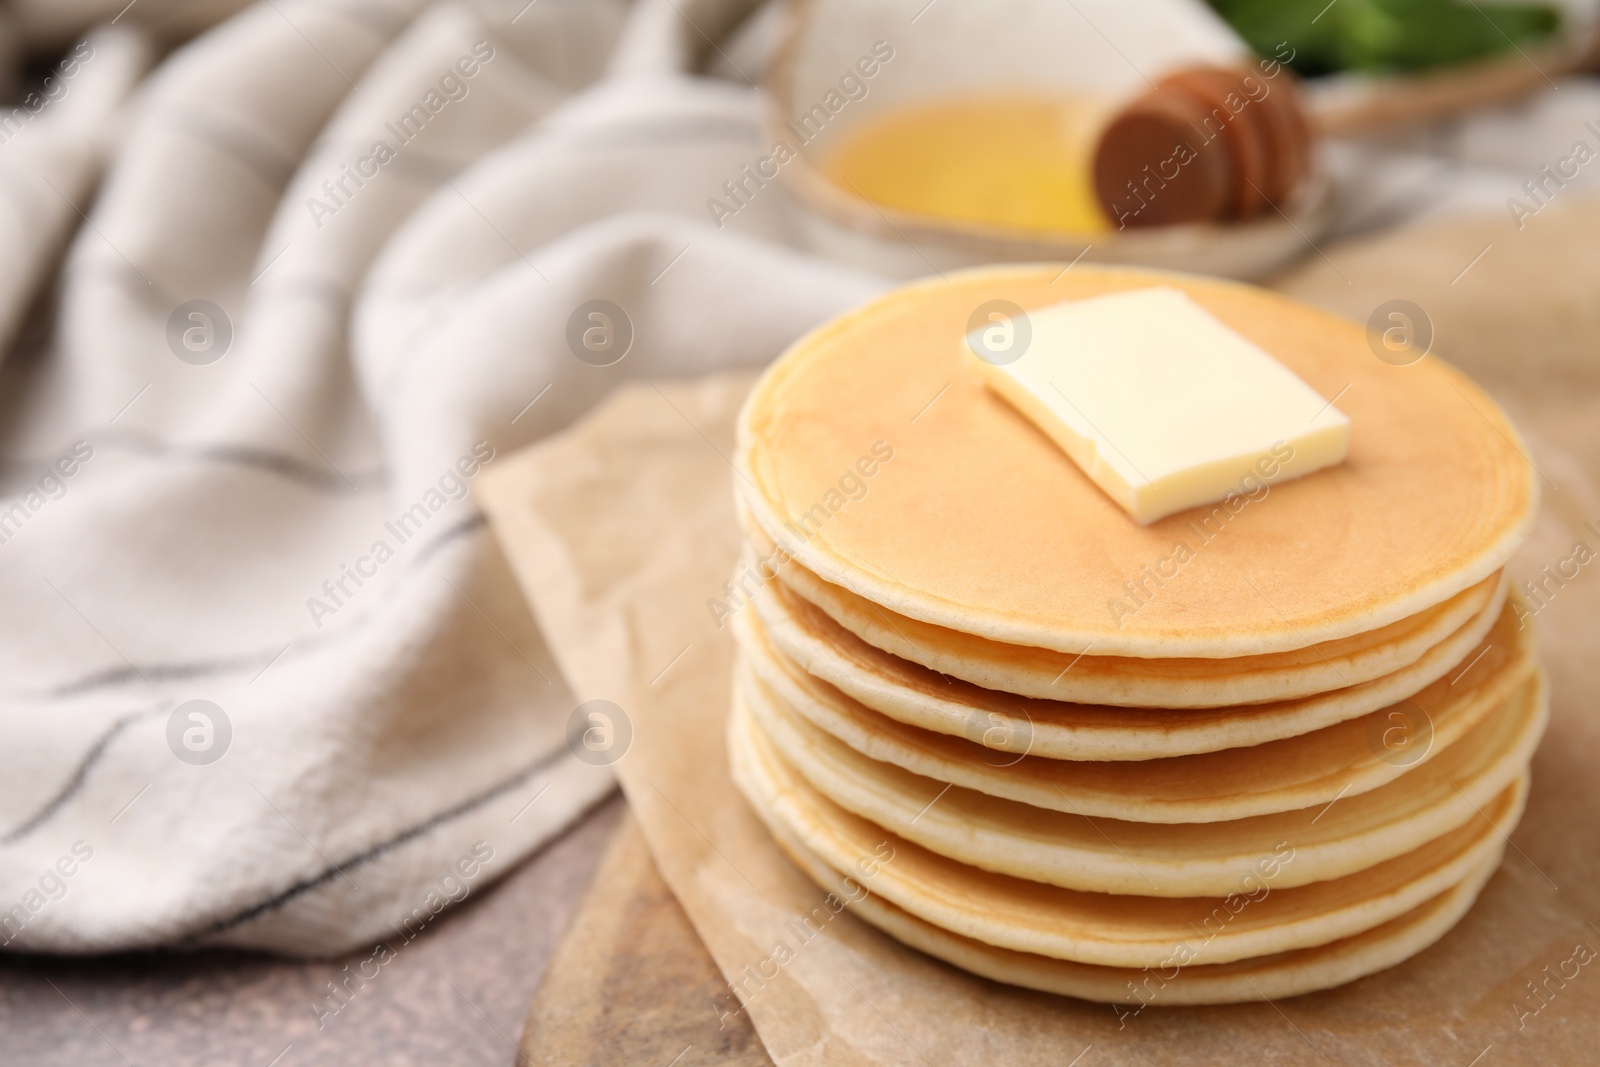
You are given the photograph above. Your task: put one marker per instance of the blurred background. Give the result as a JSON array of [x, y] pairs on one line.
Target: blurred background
[[279, 280]]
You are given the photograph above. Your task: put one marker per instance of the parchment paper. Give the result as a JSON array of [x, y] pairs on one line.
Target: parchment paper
[[622, 529]]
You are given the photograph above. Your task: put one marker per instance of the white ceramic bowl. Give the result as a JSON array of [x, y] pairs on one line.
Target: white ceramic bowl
[[1106, 48]]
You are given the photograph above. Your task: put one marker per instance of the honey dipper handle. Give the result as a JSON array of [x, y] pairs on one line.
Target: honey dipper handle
[[1390, 103]]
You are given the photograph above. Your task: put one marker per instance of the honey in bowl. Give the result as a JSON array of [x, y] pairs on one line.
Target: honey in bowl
[[1203, 144], [1021, 163]]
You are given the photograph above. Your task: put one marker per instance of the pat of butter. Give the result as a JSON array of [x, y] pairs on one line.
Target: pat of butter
[[1162, 405]]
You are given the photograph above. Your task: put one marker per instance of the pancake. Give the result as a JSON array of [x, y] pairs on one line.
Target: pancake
[[1169, 683], [1259, 919], [1284, 974], [1338, 837], [1347, 759], [1287, 974], [980, 525], [906, 692]]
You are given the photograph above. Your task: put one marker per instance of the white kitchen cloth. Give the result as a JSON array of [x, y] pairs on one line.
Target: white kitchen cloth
[[259, 501], [264, 678]]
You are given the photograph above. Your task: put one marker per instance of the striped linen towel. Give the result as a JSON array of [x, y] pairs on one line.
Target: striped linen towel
[[265, 679]]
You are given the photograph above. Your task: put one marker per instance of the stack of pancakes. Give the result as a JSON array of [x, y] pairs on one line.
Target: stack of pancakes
[[1245, 752]]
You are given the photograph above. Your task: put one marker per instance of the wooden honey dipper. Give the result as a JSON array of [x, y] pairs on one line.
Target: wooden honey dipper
[[1204, 144], [1247, 161]]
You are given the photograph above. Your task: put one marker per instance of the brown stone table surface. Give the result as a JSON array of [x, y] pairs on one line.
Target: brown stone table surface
[[458, 994]]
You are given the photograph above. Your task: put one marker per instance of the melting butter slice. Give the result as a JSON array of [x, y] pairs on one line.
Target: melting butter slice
[[1162, 405]]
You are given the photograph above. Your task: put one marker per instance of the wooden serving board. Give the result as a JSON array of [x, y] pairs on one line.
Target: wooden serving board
[[631, 983]]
